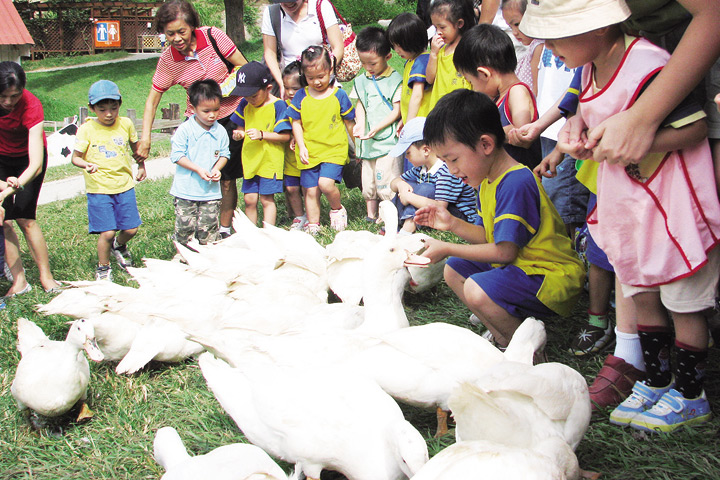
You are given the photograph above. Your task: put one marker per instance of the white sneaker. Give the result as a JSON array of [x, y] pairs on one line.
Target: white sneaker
[[338, 219], [299, 223]]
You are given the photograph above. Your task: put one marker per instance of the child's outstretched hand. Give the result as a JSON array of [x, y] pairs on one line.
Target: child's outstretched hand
[[435, 250], [358, 130], [304, 155], [91, 168], [434, 217], [369, 135], [548, 165], [238, 135], [253, 134], [524, 136], [572, 139], [292, 144]]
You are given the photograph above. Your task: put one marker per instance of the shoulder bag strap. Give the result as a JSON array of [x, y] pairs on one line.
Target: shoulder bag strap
[[322, 22], [227, 63], [275, 20]]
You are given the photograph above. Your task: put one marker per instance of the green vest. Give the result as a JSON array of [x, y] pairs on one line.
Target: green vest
[[376, 109]]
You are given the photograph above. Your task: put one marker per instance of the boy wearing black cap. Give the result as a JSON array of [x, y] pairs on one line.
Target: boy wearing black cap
[[258, 116]]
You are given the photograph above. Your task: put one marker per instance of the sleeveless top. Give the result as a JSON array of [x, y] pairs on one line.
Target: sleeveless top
[[655, 221], [530, 157]]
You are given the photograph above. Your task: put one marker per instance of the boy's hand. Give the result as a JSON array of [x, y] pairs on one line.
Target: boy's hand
[[215, 175], [304, 155], [524, 136], [238, 135], [91, 168], [434, 217], [404, 192], [358, 131], [253, 134], [369, 135], [436, 44], [205, 175], [292, 144], [435, 250], [572, 138], [141, 172], [13, 182], [548, 165]]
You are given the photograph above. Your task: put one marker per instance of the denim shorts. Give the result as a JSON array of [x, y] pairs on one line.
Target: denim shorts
[[263, 186], [569, 196], [116, 211], [309, 178]]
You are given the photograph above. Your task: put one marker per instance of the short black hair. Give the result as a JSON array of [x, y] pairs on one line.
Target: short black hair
[[485, 46], [455, 10], [408, 32], [464, 116], [204, 90], [174, 10], [373, 39], [11, 75]]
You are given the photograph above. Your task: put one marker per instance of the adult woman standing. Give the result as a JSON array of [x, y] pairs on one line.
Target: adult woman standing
[[299, 28], [192, 57], [23, 161]]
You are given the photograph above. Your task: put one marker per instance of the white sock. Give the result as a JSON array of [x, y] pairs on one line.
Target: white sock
[[224, 229], [627, 347]]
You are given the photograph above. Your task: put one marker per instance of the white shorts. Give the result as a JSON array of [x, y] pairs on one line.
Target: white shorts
[[690, 294]]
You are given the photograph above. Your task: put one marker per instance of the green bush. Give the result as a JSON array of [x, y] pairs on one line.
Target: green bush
[[251, 17], [370, 11]]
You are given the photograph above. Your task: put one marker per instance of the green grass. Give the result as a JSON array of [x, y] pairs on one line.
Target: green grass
[[71, 60], [117, 442]]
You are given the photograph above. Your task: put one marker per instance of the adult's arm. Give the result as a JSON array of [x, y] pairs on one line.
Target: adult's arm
[[151, 104], [336, 42], [627, 136], [271, 60], [488, 10], [237, 58]]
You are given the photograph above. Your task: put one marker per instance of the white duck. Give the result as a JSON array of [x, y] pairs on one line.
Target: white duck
[[522, 405], [239, 461], [333, 421], [482, 460], [53, 376]]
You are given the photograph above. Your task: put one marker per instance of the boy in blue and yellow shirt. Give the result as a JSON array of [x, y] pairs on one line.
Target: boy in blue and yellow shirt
[[263, 151], [518, 261]]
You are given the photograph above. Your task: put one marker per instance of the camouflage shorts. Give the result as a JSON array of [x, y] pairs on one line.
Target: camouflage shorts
[[196, 219]]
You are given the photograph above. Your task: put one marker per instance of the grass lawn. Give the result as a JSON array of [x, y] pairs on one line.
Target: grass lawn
[[117, 442]]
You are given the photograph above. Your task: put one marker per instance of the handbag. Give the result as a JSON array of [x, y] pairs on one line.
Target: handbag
[[227, 85], [350, 65]]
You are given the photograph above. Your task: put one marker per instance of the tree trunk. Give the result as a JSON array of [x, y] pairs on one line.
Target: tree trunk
[[234, 25]]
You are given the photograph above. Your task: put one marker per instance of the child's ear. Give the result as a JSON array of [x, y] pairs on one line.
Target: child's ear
[[484, 72], [460, 23], [388, 56], [486, 144]]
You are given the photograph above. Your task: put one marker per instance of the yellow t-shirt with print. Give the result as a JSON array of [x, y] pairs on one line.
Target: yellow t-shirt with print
[[447, 78], [261, 158], [109, 149]]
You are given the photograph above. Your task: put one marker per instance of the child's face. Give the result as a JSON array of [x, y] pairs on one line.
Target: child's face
[[416, 155], [575, 51], [106, 111], [317, 76], [468, 164], [512, 16], [259, 98], [404, 54], [206, 112], [292, 85], [449, 31], [373, 63]]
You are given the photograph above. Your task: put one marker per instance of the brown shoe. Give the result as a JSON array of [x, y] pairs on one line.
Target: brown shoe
[[614, 382]]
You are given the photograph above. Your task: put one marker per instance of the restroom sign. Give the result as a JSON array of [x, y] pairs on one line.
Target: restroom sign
[[107, 34]]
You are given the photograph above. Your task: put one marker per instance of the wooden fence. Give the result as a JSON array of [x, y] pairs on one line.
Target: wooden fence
[[169, 121]]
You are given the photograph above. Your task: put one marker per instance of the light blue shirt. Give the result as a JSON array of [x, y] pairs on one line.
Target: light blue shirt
[[204, 148]]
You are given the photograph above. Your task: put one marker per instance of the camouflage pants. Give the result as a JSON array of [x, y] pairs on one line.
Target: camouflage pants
[[196, 218]]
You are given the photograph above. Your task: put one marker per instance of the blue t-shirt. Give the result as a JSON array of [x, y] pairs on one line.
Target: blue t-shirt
[[204, 148]]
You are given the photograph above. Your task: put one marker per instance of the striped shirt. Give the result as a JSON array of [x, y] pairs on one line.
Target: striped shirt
[[448, 188], [174, 68]]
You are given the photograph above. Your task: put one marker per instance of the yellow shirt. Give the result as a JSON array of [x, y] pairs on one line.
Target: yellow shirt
[[414, 71], [261, 158], [447, 78], [108, 148]]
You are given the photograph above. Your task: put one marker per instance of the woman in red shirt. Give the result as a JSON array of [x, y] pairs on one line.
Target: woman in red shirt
[[23, 161]]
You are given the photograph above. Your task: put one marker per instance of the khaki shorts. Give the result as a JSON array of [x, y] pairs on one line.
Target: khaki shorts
[[377, 175], [690, 294]]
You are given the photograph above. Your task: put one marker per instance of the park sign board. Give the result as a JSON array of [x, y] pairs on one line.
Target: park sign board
[[106, 34]]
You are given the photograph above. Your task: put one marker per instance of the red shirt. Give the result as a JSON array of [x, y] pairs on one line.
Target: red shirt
[[174, 68], [14, 126]]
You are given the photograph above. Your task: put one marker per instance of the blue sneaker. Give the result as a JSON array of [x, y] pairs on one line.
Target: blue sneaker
[[641, 398], [673, 411]]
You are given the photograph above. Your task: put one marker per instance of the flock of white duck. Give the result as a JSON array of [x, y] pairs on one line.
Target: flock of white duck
[[260, 314]]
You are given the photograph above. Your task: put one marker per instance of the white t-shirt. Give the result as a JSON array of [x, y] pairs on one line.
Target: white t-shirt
[[296, 37], [553, 81]]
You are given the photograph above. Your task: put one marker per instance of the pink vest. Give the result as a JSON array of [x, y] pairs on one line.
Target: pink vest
[[658, 230]]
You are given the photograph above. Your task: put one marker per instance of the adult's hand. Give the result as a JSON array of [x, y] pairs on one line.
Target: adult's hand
[[151, 104], [623, 138]]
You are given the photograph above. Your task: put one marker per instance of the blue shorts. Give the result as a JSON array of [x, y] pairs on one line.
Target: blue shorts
[[261, 185], [569, 196], [116, 211], [594, 254], [291, 180], [309, 178], [508, 286]]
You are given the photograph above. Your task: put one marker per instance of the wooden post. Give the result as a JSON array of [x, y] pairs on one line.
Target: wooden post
[[170, 113], [132, 115], [83, 115]]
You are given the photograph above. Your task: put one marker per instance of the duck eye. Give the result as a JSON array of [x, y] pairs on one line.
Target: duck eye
[[392, 249]]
